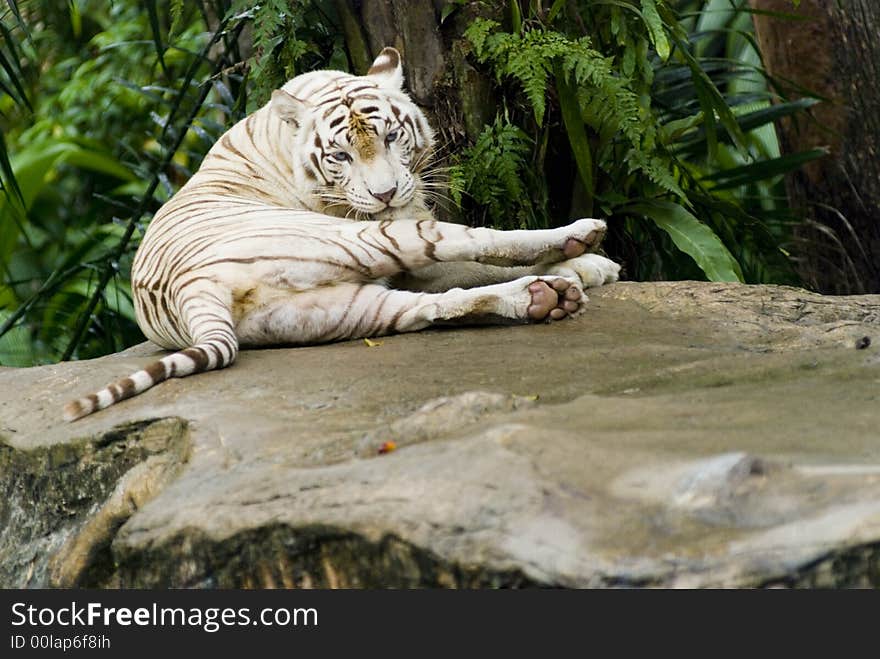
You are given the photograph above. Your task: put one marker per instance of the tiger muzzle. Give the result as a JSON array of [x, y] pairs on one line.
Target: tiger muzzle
[[385, 197]]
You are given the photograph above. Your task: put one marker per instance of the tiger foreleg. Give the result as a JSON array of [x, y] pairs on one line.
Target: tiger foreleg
[[405, 246], [524, 247], [591, 269]]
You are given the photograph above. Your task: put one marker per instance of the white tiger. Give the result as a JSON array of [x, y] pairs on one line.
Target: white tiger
[[259, 247]]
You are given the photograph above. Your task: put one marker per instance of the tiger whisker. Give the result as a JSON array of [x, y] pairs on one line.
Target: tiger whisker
[[439, 197]]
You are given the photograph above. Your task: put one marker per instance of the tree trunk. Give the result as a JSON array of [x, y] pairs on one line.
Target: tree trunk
[[836, 54], [456, 97]]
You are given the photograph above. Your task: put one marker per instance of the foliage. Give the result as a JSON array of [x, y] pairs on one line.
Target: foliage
[[106, 126], [290, 38], [497, 165], [665, 110]]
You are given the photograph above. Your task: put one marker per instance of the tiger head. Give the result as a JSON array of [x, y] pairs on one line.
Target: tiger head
[[360, 142]]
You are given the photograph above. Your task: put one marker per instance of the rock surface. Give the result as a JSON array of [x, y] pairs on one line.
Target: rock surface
[[678, 434]]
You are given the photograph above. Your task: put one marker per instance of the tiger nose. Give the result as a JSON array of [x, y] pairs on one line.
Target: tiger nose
[[385, 197]]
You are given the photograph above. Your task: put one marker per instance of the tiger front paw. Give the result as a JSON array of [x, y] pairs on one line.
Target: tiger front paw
[[582, 236], [590, 269]]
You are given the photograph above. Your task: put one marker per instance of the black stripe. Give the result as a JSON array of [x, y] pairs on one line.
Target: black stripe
[[366, 271], [233, 350], [317, 165], [384, 250], [199, 356], [393, 324], [217, 352], [373, 328], [156, 371], [259, 259], [126, 388], [331, 332], [430, 248], [383, 225]]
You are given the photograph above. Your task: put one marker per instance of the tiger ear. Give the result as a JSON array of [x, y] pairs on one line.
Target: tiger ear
[[387, 69], [289, 108]]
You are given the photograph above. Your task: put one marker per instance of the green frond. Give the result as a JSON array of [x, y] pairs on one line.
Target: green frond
[[492, 172], [277, 48], [478, 33], [655, 27]]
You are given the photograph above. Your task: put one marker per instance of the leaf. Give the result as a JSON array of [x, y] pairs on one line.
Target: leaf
[[449, 8], [577, 135], [710, 127], [75, 19], [692, 237], [711, 101], [13, 6], [516, 16], [97, 161], [558, 5], [763, 169], [372, 344], [33, 169], [478, 33], [16, 346], [8, 174], [655, 28], [176, 12], [747, 122], [13, 71]]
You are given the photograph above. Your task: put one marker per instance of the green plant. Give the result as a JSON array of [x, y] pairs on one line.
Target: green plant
[[657, 128], [107, 124], [494, 174], [290, 38]]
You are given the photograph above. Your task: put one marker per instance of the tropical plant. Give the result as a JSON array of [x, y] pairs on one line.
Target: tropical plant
[[102, 127], [667, 117]]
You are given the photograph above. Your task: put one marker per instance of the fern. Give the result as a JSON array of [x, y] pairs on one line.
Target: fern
[[478, 34], [607, 100], [599, 89], [609, 104], [493, 172], [655, 27], [659, 170], [276, 46], [528, 58]]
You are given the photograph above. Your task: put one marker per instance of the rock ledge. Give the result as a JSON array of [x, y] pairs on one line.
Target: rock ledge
[[677, 435]]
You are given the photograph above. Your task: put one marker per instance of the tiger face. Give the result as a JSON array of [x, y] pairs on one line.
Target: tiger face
[[360, 141]]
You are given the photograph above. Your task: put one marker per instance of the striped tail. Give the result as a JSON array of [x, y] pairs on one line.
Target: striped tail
[[207, 355]]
